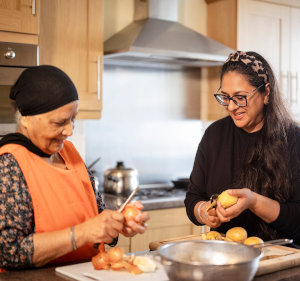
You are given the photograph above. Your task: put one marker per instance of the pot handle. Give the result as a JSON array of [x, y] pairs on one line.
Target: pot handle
[[114, 179], [272, 243]]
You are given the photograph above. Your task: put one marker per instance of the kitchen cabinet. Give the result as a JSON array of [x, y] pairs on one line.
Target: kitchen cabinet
[[270, 29], [19, 16], [71, 38], [277, 41], [19, 21], [163, 224]]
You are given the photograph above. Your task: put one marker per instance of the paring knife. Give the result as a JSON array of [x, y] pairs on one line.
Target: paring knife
[[128, 200], [96, 245]]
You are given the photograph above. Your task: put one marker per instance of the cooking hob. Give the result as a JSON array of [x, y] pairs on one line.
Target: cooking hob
[[149, 194]]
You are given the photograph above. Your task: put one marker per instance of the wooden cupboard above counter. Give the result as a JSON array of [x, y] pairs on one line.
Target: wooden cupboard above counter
[[20, 16], [70, 38], [19, 21], [269, 27]]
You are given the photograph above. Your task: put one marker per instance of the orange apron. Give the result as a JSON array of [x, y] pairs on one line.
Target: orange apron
[[61, 198]]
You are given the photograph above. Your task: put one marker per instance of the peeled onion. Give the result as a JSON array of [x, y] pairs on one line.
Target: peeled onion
[[130, 212], [144, 264], [115, 254]]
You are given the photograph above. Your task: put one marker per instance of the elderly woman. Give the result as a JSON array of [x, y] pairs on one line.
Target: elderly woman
[[254, 152], [50, 210]]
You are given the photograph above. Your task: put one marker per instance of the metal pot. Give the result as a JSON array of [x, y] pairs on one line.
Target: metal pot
[[182, 183], [120, 180], [210, 260]]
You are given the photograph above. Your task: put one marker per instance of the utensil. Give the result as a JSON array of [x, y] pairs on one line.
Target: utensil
[[211, 260], [128, 200], [272, 243], [89, 167], [96, 245], [213, 201], [120, 180]]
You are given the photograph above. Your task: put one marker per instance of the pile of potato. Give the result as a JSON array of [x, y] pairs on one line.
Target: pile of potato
[[235, 234]]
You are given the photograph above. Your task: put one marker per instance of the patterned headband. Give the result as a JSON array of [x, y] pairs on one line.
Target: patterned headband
[[251, 61]]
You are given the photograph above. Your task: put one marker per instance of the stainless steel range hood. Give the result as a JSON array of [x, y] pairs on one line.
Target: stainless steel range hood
[[160, 41]]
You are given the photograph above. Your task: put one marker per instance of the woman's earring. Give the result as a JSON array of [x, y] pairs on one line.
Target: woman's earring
[[267, 102]]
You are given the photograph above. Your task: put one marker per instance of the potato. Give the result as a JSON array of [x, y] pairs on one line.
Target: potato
[[237, 234], [213, 235], [227, 200], [253, 240]]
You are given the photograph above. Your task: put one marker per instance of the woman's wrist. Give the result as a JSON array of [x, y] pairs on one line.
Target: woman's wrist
[[79, 236], [253, 201], [199, 211]]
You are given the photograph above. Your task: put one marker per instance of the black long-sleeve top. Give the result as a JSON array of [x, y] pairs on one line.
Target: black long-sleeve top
[[219, 159]]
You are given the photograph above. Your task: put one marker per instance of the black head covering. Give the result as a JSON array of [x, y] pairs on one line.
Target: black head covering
[[38, 90], [41, 89]]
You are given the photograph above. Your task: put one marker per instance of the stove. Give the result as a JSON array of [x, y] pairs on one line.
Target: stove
[[149, 194]]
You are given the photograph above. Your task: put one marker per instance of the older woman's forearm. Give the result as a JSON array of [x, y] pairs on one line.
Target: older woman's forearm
[[265, 208], [51, 245]]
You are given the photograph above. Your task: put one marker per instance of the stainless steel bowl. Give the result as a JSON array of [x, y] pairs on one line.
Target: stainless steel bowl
[[210, 260]]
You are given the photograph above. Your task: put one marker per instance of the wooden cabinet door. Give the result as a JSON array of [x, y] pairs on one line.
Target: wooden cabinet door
[[264, 28], [71, 39], [163, 224], [295, 63], [19, 16]]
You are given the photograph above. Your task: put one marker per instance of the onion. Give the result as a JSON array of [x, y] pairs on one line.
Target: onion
[[115, 255], [130, 212], [100, 261]]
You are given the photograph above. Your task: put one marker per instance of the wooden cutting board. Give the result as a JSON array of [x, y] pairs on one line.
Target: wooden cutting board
[[275, 257]]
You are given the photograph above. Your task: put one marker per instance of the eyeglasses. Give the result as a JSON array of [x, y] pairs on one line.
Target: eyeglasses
[[239, 100]]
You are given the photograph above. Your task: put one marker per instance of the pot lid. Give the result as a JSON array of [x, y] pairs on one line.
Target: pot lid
[[120, 170]]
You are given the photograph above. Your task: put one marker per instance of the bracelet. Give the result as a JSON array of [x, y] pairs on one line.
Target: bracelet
[[199, 210], [73, 239]]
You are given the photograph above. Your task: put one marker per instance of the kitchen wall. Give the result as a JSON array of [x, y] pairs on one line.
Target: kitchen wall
[[150, 120], [151, 117]]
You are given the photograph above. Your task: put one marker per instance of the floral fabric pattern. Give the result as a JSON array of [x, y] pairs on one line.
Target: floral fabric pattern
[[17, 217]]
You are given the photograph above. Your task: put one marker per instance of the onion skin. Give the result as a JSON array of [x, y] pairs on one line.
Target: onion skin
[[100, 261], [130, 212]]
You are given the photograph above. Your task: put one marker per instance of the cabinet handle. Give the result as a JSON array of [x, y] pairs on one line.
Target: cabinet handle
[[99, 78], [33, 7]]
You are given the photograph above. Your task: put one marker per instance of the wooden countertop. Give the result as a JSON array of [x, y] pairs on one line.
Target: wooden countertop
[[49, 274]]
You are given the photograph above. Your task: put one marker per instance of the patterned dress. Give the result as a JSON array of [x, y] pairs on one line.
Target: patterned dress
[[17, 218]]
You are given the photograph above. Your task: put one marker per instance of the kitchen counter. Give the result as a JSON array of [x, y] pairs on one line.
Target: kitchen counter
[[49, 274], [114, 202]]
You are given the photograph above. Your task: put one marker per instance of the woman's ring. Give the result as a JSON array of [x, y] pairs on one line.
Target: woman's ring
[[206, 216]]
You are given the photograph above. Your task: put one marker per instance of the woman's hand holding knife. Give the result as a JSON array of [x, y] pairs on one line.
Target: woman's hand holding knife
[[134, 227]]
